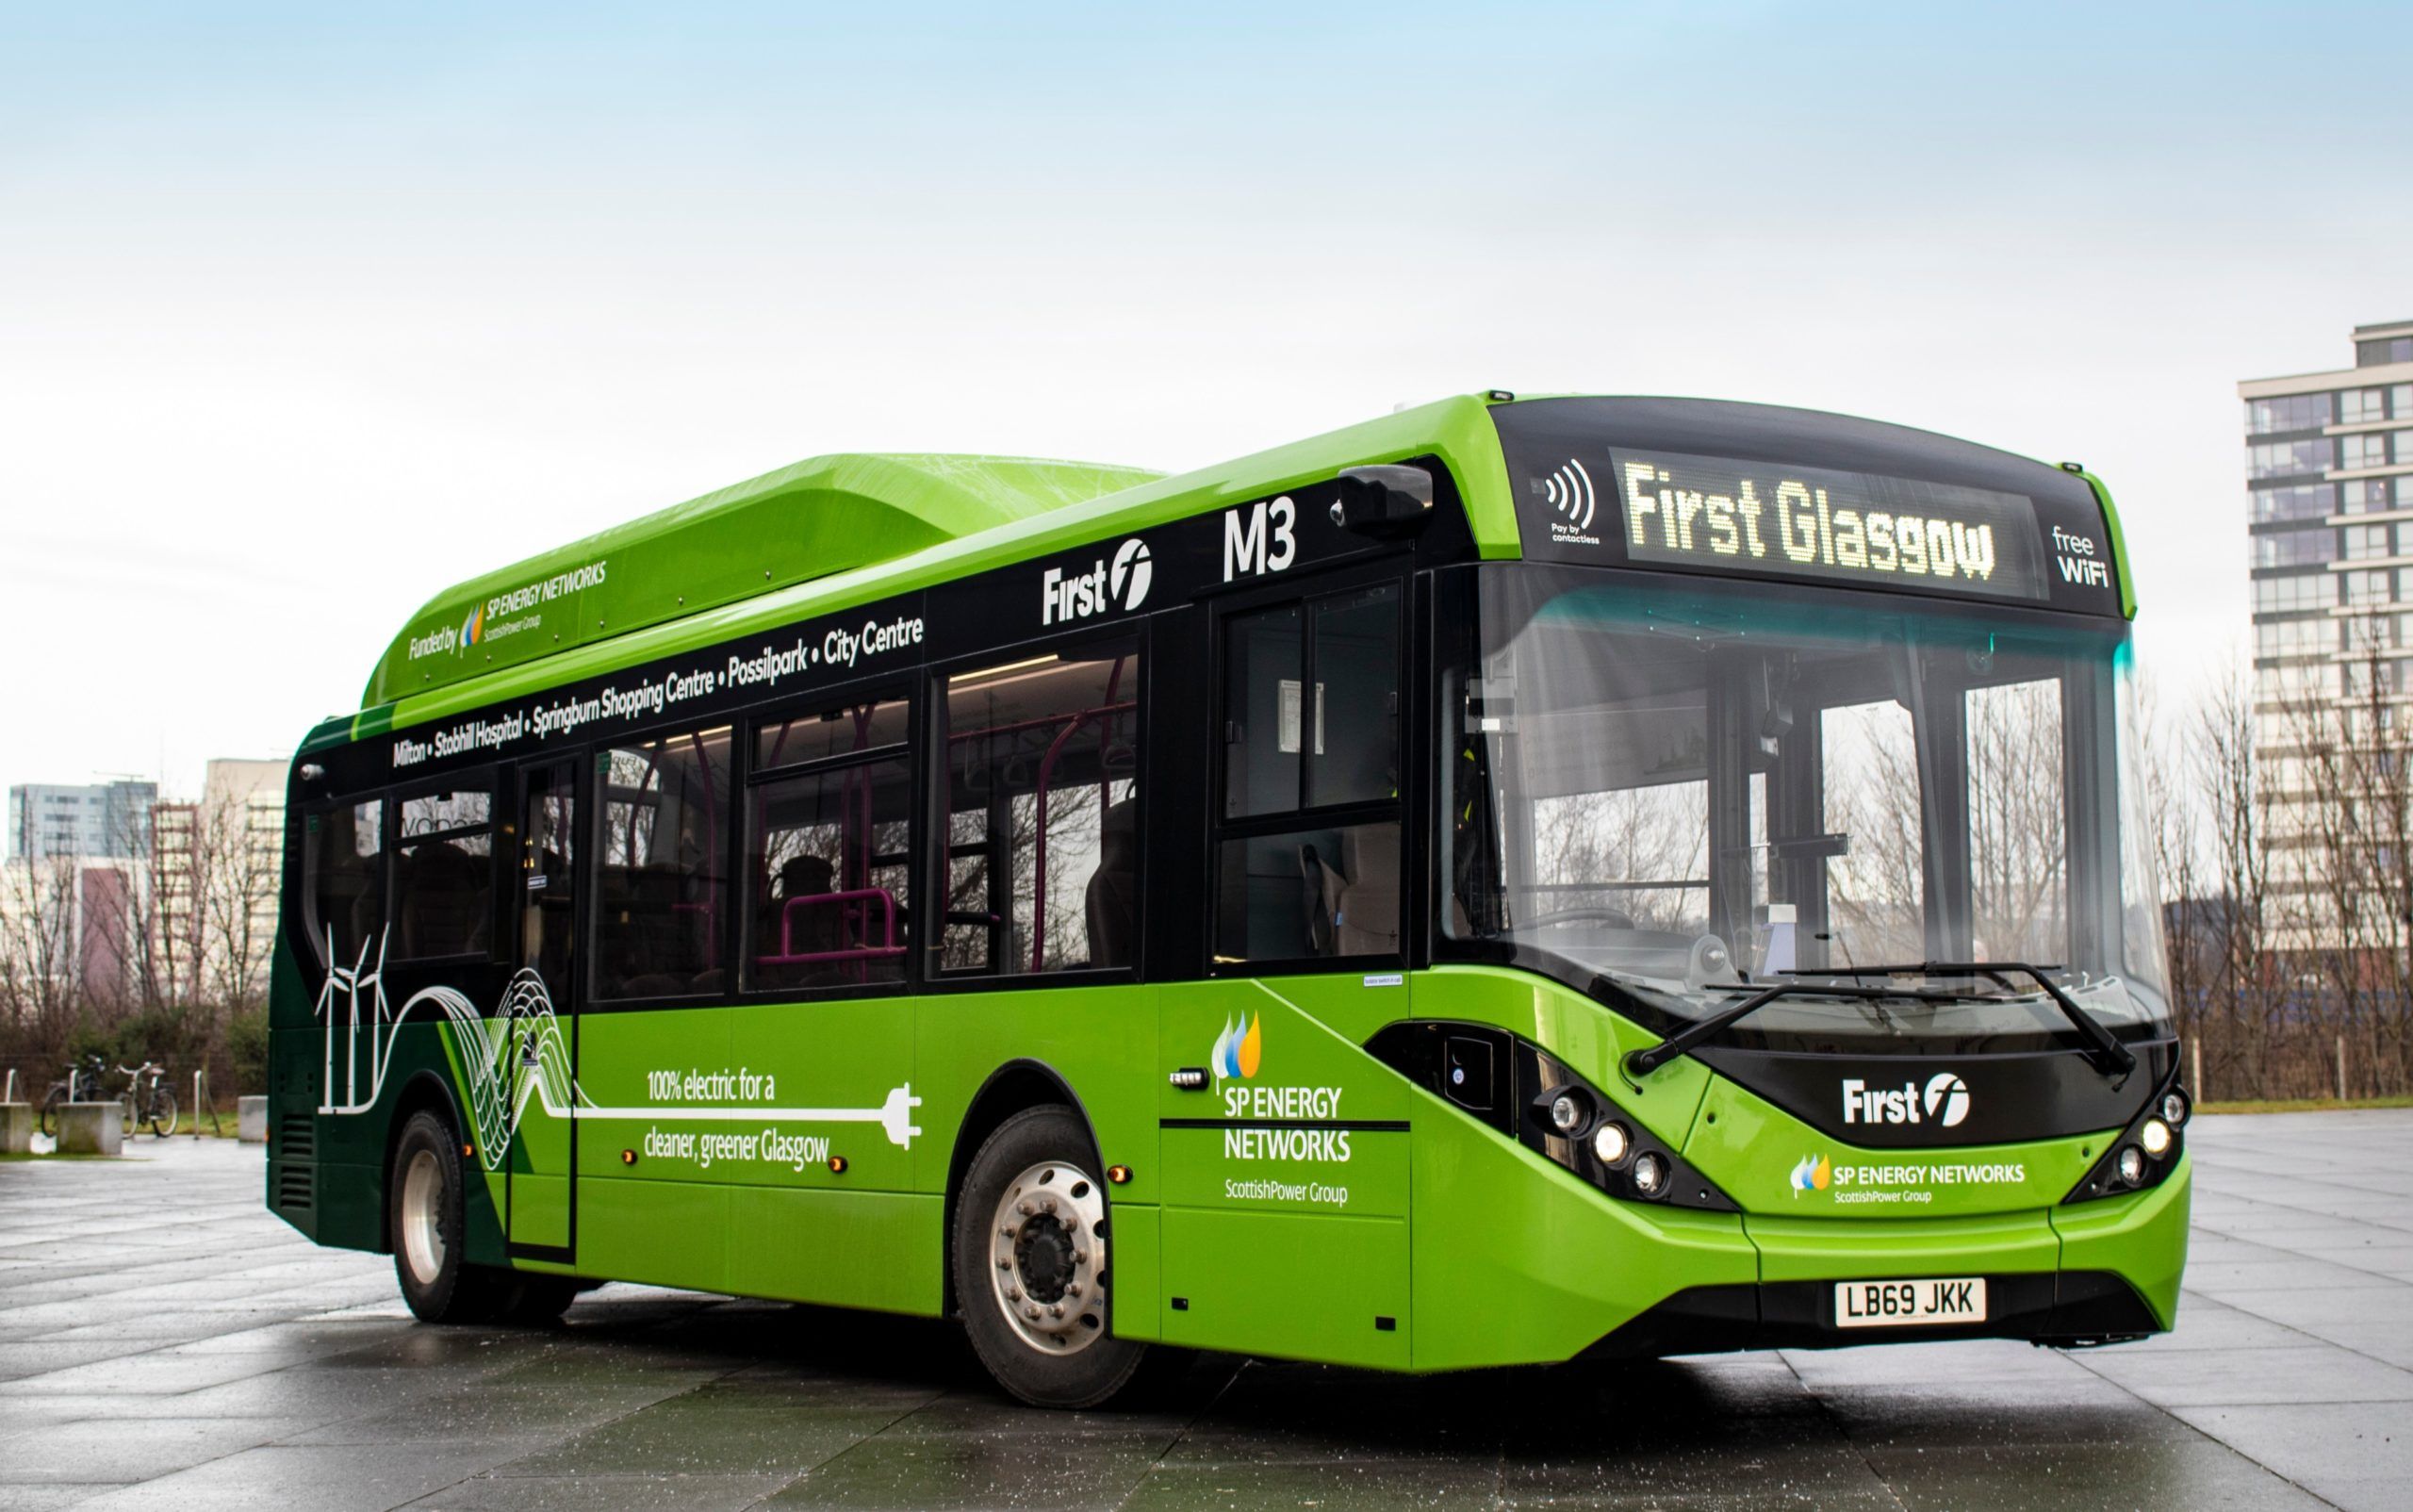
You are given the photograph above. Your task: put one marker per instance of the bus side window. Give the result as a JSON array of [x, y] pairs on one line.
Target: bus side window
[[661, 866], [444, 875], [1041, 833], [828, 804], [1308, 860], [345, 883]]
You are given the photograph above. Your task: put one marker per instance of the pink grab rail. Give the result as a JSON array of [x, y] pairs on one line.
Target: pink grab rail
[[887, 950]]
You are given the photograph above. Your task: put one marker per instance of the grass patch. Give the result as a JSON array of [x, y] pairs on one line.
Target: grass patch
[[2303, 1105]]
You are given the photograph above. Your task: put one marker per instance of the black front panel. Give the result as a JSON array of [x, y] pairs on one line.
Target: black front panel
[[1109, 581], [1929, 1101], [1751, 490]]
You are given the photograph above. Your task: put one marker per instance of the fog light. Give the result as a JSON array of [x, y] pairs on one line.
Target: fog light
[[2131, 1165], [1611, 1143], [2156, 1135], [1649, 1174], [1567, 1112], [2173, 1107]]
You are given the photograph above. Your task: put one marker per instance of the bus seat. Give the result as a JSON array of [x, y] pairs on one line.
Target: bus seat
[[368, 922], [1111, 900], [817, 929], [1366, 912], [1324, 887], [444, 901]]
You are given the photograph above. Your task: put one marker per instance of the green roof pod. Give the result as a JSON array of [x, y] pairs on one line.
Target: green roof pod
[[808, 521], [940, 523]]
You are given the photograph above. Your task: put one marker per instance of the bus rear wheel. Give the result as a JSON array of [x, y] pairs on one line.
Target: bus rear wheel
[[424, 1193], [1030, 1264]]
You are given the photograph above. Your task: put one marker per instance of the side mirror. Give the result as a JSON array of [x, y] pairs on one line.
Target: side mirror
[[1387, 498]]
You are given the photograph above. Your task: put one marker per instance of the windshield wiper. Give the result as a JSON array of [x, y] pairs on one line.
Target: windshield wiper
[[2108, 1054], [2105, 1049]]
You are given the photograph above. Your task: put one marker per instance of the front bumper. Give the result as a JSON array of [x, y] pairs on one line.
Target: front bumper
[[2087, 1273], [2069, 1308]]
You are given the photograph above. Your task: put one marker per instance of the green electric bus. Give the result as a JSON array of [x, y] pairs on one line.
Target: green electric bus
[[1514, 880]]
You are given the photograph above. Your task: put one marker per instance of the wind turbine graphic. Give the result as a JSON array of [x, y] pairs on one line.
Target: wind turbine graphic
[[521, 1055]]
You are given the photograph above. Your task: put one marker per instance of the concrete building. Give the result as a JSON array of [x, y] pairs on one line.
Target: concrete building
[[123, 894], [2329, 527], [48, 821], [214, 871]]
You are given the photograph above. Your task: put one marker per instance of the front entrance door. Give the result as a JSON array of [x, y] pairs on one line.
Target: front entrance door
[[541, 1020]]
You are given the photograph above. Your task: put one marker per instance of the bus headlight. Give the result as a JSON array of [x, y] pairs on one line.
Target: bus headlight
[[2146, 1154], [1567, 1112], [1649, 1174], [1611, 1143]]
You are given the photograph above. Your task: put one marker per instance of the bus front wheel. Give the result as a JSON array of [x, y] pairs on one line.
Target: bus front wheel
[[1030, 1247]]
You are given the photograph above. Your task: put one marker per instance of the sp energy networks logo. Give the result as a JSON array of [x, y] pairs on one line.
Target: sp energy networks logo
[[1239, 1048], [1815, 1174], [1120, 584], [455, 638], [1943, 1101], [481, 623]]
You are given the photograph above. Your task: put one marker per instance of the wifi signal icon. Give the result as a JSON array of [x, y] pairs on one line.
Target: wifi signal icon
[[1570, 493]]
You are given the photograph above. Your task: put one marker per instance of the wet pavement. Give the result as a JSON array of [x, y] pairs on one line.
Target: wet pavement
[[164, 1343]]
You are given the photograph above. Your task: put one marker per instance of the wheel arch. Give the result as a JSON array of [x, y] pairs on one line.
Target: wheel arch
[[1018, 1084], [425, 1091]]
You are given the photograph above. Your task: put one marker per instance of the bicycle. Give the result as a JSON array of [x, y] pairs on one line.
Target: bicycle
[[82, 1084], [155, 1108]]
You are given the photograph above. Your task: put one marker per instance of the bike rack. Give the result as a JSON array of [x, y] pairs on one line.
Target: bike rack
[[200, 1085], [11, 1096]]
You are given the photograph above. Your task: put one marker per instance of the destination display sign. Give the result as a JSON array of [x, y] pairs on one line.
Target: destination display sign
[[1724, 490], [1700, 511]]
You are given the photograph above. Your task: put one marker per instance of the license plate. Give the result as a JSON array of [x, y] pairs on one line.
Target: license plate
[[1909, 1303]]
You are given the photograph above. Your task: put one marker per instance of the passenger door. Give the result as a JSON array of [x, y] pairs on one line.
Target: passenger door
[[542, 1021], [1285, 1148]]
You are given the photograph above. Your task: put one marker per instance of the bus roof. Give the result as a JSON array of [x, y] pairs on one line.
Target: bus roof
[[840, 529], [811, 519], [837, 530]]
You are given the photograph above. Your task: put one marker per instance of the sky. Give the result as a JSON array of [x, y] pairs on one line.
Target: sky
[[308, 311]]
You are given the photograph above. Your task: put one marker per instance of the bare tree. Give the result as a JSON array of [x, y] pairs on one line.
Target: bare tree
[[237, 855], [41, 963]]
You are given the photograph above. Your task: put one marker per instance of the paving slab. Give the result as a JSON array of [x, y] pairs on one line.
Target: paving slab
[[201, 1355]]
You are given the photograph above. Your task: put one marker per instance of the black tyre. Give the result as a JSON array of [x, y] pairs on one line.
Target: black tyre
[[163, 1114], [1029, 1253], [423, 1205], [423, 1196], [50, 1106]]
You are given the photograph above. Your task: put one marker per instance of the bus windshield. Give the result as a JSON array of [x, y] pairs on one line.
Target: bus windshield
[[1698, 788]]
